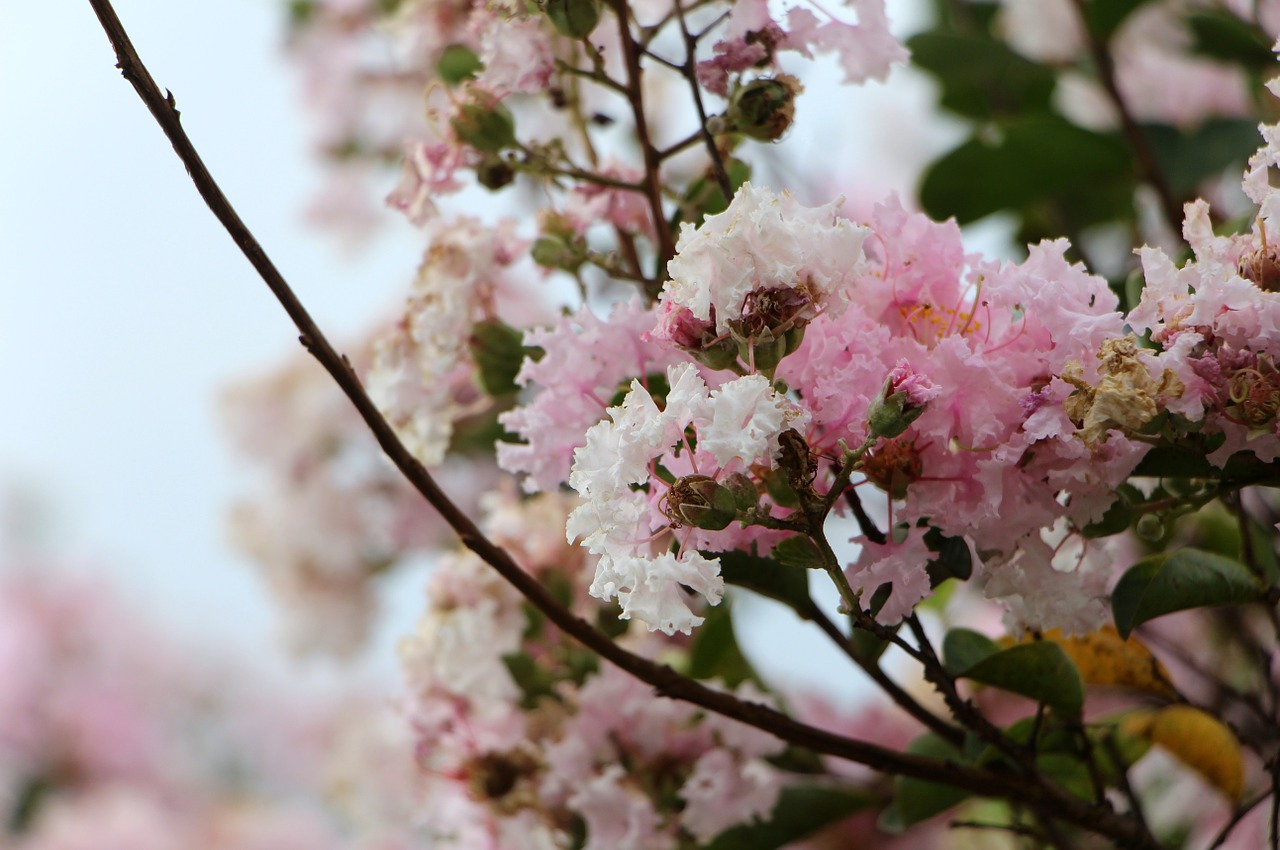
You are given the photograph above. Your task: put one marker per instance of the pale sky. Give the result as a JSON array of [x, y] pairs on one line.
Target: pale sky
[[124, 306]]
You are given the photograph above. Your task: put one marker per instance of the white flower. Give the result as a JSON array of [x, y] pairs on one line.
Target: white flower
[[763, 241], [737, 424], [654, 593], [748, 417], [723, 792]]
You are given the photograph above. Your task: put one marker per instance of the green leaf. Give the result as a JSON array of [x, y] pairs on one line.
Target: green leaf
[[498, 350], [801, 811], [1068, 771], [867, 646], [533, 681], [1115, 520], [715, 653], [1039, 670], [457, 63], [1189, 157], [798, 551], [301, 12], [704, 198], [981, 77], [954, 560], [768, 578], [1174, 462], [1029, 160], [916, 800], [1227, 37], [963, 648], [1188, 578], [31, 795], [1262, 538], [1104, 17]]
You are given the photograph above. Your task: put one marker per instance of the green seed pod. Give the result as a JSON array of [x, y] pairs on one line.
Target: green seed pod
[[556, 251], [794, 337], [763, 109], [494, 172], [486, 127], [721, 355], [745, 495], [699, 501], [1149, 527], [574, 18]]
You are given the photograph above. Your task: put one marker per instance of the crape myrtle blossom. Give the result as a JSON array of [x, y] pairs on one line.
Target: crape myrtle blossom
[[784, 372], [865, 50], [735, 426], [765, 263], [1216, 320], [998, 428], [365, 65], [325, 514], [423, 375], [585, 361], [519, 734], [991, 456], [116, 735]]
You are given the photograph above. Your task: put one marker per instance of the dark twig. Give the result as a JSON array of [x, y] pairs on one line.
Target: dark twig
[[1148, 167], [652, 161], [962, 709], [1275, 804], [865, 523], [1236, 817], [1122, 778], [690, 72], [661, 677], [952, 734]]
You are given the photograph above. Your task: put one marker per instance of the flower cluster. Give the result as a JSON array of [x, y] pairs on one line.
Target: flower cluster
[[326, 514], [531, 745], [724, 431], [702, 381], [116, 735]]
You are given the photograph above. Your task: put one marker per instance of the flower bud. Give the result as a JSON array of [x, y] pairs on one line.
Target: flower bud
[[699, 501], [745, 495], [763, 109], [559, 246], [494, 172], [901, 401], [487, 127], [556, 252], [573, 18], [1149, 527], [718, 355], [764, 352]]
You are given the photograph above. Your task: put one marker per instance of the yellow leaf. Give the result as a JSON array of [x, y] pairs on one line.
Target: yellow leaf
[[1104, 658], [1198, 740]]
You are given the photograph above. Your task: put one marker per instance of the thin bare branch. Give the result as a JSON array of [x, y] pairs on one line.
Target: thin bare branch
[[1148, 166], [652, 161]]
